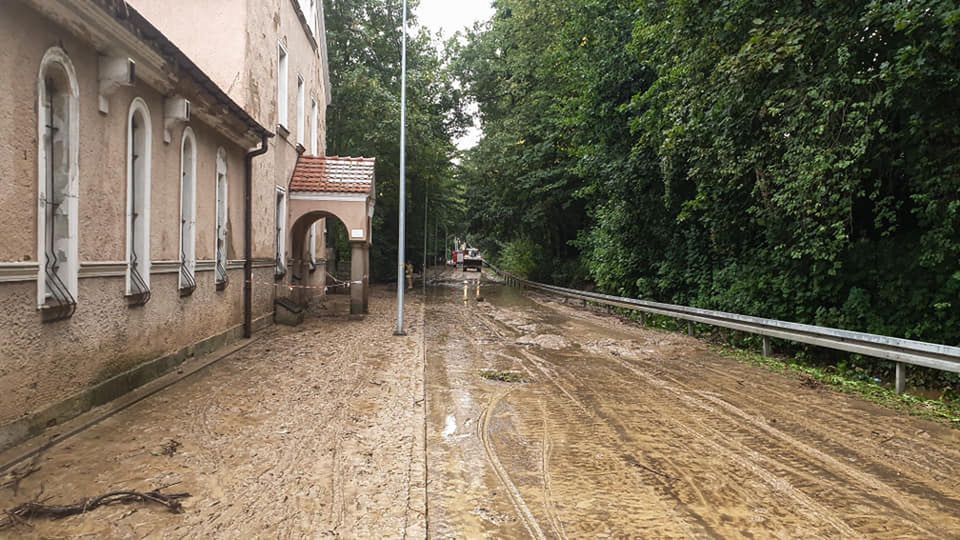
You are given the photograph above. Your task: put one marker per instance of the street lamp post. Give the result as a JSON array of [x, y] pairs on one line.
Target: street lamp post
[[401, 248]]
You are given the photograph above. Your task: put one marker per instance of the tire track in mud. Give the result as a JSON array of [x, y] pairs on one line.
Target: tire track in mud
[[660, 489], [771, 479], [859, 447], [794, 458], [784, 388], [814, 511], [546, 446], [523, 511], [857, 425], [658, 442]]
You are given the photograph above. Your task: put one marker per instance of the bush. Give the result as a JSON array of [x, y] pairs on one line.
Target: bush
[[521, 257]]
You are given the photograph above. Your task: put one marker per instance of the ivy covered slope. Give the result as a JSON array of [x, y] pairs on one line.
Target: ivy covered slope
[[793, 160], [363, 40]]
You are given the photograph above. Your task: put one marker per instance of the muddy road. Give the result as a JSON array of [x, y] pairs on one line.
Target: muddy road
[[308, 432], [498, 416], [618, 431]]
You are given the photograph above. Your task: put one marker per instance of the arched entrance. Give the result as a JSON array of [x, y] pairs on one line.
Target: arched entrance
[[331, 187]]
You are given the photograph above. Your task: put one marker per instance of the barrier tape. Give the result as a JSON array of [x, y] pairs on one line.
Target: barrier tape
[[344, 284]]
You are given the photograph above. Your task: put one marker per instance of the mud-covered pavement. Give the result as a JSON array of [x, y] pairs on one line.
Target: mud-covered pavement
[[538, 419], [311, 432], [619, 431]]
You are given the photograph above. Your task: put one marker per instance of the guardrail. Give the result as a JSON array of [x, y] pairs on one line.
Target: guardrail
[[901, 351]]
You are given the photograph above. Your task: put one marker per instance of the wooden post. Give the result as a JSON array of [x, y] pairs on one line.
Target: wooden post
[[901, 382]]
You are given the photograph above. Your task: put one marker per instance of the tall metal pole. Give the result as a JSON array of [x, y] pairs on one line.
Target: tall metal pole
[[401, 248], [426, 214]]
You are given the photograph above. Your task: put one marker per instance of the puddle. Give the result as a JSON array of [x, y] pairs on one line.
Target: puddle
[[451, 427]]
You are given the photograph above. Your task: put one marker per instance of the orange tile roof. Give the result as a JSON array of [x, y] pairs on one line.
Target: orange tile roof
[[333, 174]]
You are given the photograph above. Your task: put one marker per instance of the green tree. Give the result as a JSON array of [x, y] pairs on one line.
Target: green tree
[[364, 42], [795, 160]]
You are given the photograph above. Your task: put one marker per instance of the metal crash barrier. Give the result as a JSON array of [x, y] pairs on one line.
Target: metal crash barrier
[[901, 351]]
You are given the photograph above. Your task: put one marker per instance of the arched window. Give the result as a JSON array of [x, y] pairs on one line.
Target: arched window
[[58, 123], [188, 212], [222, 221], [139, 143]]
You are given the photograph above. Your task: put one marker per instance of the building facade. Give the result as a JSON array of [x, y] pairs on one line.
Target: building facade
[[270, 56], [145, 168]]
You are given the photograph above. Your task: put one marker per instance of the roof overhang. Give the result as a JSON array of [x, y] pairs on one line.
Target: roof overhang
[[115, 28], [334, 175]]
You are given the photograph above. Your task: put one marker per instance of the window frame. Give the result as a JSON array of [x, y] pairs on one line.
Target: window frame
[[301, 110], [138, 105], [312, 240], [220, 276], [57, 56], [283, 86], [187, 255], [280, 261], [314, 127]]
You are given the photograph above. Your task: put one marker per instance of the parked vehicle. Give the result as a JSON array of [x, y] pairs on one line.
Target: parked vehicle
[[472, 259]]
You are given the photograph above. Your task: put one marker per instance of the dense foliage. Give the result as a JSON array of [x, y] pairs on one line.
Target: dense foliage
[[363, 40], [793, 160]]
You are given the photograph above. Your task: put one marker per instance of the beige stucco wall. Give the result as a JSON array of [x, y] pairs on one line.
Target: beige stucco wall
[[43, 363], [244, 63], [211, 32]]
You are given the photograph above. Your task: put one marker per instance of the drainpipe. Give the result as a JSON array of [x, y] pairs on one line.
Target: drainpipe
[[248, 235]]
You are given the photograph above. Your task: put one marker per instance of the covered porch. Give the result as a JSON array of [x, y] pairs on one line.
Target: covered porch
[[332, 187]]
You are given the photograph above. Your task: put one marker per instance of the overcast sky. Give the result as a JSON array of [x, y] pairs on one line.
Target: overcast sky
[[447, 17]]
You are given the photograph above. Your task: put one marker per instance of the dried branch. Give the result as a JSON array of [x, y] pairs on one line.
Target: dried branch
[[34, 509]]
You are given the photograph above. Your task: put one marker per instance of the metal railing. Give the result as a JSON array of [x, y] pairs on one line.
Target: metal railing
[[901, 351]]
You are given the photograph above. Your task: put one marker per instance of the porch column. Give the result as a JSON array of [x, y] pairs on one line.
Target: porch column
[[366, 278], [357, 280]]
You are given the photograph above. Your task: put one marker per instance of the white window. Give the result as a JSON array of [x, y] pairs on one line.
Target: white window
[[282, 76], [188, 212], [222, 222], [57, 185], [139, 144], [314, 128], [280, 267], [312, 243], [301, 129]]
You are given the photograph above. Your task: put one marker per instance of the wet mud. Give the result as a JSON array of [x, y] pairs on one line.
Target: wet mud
[[311, 432], [537, 420], [619, 431]]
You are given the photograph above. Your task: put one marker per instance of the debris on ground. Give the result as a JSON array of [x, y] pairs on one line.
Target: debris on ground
[[13, 478], [502, 376], [35, 509], [808, 381], [169, 448]]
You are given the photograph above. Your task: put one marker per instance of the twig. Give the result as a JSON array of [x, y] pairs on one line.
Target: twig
[[34, 509]]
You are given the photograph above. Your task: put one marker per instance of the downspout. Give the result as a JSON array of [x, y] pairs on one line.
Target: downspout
[[248, 235]]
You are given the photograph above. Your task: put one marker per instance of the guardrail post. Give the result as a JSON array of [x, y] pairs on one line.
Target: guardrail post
[[901, 382], [643, 319], [690, 330], [766, 346]]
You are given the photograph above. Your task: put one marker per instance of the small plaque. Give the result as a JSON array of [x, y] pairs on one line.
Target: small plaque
[[356, 233]]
